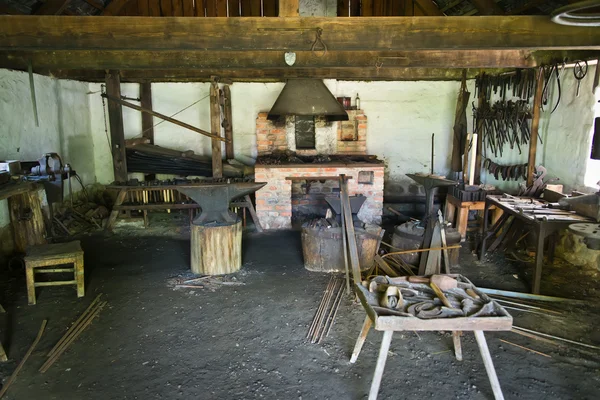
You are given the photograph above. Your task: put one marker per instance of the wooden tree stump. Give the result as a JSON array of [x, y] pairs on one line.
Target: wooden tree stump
[[27, 220], [216, 250]]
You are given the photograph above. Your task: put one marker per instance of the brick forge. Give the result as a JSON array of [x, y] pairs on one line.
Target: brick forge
[[274, 201]]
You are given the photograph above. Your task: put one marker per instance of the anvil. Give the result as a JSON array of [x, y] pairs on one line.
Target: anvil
[[214, 199], [431, 183]]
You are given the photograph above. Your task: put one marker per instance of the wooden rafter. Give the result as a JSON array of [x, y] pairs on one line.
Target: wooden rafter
[[292, 34], [487, 7], [115, 7], [428, 7], [52, 7]]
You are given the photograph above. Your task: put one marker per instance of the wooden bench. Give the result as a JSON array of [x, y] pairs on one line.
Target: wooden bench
[[39, 259]]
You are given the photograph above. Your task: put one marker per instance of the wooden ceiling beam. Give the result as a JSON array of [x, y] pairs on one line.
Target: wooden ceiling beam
[[292, 34], [487, 7], [273, 75], [191, 59]]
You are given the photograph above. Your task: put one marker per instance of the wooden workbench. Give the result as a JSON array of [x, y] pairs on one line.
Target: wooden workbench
[[381, 320], [543, 225]]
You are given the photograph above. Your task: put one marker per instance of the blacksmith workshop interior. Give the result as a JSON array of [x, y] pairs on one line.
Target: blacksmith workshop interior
[[244, 199]]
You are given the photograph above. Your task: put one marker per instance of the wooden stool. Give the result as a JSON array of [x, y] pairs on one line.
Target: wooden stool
[[48, 255], [453, 204]]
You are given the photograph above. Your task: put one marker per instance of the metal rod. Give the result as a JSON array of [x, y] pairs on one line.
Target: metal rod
[[32, 89], [432, 150]]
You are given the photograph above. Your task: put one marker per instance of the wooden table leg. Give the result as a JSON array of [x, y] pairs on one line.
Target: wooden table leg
[[361, 339], [489, 365], [457, 345], [255, 219], [114, 214], [383, 353], [486, 214], [450, 212], [79, 276], [539, 257], [462, 222], [30, 284]]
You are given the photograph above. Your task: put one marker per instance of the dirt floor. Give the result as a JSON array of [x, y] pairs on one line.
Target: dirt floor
[[248, 341]]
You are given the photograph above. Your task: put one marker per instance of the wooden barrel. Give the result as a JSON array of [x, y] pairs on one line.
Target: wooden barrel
[[323, 248], [216, 250]]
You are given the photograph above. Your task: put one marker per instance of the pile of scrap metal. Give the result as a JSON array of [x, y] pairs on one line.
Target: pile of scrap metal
[[539, 184], [151, 159], [505, 172]]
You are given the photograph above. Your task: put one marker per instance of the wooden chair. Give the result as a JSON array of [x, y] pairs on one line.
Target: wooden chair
[[39, 258]]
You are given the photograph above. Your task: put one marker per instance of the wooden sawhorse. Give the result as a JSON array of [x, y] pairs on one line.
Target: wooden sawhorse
[[389, 324]]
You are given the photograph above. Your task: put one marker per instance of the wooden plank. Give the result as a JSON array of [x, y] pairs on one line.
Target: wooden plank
[[355, 8], [200, 8], [115, 7], [535, 125], [270, 8], [503, 323], [479, 148], [166, 8], [131, 9], [234, 8], [52, 7], [115, 99], [177, 8], [385, 267], [215, 125], [96, 4], [487, 7], [228, 123], [409, 8], [143, 7], [293, 34], [289, 8], [489, 364], [114, 214], [198, 59], [188, 8], [117, 134], [428, 7], [147, 119], [366, 8], [221, 6], [154, 8], [351, 237], [211, 8]]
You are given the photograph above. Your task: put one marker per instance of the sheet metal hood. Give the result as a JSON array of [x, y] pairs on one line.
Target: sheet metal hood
[[307, 97]]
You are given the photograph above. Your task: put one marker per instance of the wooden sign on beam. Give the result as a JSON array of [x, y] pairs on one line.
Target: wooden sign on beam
[[215, 127]]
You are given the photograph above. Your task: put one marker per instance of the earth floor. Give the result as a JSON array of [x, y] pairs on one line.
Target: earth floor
[[154, 341]]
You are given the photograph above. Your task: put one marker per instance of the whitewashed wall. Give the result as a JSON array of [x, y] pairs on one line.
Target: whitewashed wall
[[64, 124]]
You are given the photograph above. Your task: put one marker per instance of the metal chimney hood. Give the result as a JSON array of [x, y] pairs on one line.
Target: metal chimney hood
[[307, 97]]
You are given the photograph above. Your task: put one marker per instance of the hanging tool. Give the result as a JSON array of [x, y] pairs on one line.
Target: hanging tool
[[580, 71]]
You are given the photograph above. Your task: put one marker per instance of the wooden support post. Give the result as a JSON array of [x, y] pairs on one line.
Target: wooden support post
[[147, 119], [535, 124], [27, 220], [480, 102], [215, 127], [227, 123], [147, 122], [380, 367], [117, 134], [289, 8]]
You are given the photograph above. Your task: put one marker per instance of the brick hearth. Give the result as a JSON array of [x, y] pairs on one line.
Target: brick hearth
[[274, 201]]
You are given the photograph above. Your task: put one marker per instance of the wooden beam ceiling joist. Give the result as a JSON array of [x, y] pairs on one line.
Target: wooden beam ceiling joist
[[273, 75], [194, 59], [487, 7], [292, 34]]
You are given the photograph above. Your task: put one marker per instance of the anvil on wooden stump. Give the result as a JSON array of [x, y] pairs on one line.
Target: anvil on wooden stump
[[216, 234]]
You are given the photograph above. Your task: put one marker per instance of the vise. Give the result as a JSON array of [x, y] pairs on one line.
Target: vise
[[214, 199]]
